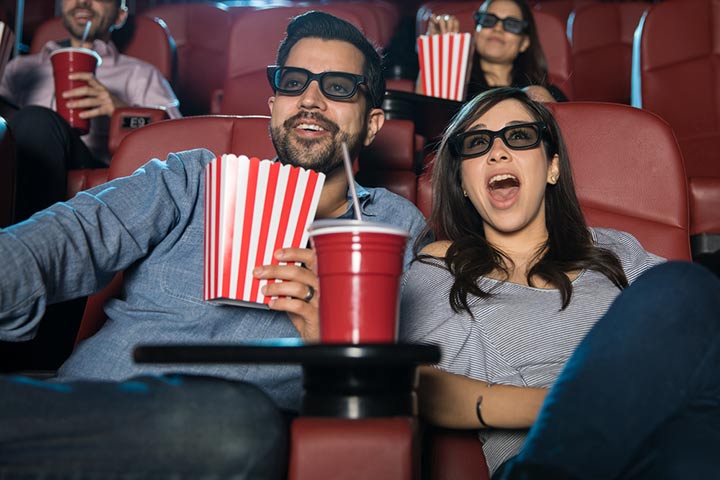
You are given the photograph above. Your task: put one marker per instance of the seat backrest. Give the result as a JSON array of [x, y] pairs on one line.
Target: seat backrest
[[7, 175], [220, 134], [676, 73], [246, 89], [390, 160], [632, 182], [145, 38], [201, 33], [601, 38], [551, 33]]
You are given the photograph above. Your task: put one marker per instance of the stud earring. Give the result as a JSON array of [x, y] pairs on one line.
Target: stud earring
[[464, 193]]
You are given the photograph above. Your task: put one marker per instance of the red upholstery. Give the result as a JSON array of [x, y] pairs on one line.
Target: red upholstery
[[246, 89], [676, 74], [601, 36], [373, 448], [142, 37], [551, 33], [390, 160], [560, 9], [201, 32], [634, 183], [7, 175]]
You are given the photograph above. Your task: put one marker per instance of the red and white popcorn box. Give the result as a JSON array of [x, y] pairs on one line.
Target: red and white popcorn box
[[7, 43], [253, 208], [445, 64]]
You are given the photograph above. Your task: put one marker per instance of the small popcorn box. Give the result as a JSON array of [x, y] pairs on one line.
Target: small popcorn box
[[253, 208], [444, 64], [7, 42]]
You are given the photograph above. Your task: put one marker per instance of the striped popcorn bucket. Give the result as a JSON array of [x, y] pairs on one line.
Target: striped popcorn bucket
[[253, 208], [444, 64]]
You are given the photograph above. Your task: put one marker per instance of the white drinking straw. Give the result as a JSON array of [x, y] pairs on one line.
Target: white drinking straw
[[351, 181], [87, 31]]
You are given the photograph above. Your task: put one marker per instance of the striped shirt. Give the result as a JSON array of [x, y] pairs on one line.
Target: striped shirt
[[519, 335]]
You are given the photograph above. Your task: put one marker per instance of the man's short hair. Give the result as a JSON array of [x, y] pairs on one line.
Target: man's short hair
[[328, 27]]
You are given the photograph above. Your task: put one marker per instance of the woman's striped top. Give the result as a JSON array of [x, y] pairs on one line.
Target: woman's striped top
[[519, 335]]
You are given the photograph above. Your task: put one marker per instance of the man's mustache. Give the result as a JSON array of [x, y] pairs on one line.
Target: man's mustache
[[318, 118]]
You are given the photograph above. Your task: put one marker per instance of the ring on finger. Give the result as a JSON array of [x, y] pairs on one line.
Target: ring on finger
[[310, 294]]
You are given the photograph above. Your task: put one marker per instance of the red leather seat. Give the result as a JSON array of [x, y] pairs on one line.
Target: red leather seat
[[390, 160], [676, 74], [201, 33], [142, 37], [601, 38], [7, 175], [551, 33], [635, 183], [321, 448]]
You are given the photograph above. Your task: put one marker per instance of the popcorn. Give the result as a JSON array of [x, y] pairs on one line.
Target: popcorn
[[253, 208]]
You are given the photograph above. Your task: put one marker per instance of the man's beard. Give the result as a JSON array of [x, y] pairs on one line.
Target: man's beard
[[299, 152]]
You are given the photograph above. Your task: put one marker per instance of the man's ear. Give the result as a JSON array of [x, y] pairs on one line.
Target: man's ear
[[376, 119], [122, 17], [271, 103]]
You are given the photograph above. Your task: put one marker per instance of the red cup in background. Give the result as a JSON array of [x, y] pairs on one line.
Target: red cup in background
[[64, 62], [359, 266]]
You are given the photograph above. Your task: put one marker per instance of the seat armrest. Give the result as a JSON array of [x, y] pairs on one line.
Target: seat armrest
[[456, 454], [126, 119], [368, 448], [84, 178]]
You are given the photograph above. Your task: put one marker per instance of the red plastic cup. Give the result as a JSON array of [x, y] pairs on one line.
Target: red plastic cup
[[359, 266], [66, 61]]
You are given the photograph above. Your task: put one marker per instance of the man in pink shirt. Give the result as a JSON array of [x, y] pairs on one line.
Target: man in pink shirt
[[46, 145]]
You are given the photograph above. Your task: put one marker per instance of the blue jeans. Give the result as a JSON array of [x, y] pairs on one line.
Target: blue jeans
[[167, 427], [640, 397]]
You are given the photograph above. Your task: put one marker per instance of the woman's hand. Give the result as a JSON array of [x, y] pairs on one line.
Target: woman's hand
[[439, 24], [298, 292], [539, 93], [450, 400]]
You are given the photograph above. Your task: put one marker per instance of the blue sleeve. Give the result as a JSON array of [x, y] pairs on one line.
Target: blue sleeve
[[73, 249]]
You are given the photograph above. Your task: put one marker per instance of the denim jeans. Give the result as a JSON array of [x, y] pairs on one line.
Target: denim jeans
[[640, 397], [167, 427]]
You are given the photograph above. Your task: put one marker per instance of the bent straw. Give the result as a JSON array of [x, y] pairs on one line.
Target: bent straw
[[351, 180], [87, 31]]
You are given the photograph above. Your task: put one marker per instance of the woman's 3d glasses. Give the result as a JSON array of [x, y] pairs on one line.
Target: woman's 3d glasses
[[509, 24], [474, 143], [294, 81]]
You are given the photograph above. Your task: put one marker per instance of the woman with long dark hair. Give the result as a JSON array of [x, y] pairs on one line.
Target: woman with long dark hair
[[519, 289], [507, 49]]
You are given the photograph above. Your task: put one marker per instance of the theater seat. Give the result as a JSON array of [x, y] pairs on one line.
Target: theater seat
[[676, 74], [321, 448], [389, 161], [601, 39], [200, 31], [635, 183], [145, 38], [551, 32]]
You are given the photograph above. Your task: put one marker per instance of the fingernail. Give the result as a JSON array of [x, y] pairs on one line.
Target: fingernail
[[280, 254], [258, 271]]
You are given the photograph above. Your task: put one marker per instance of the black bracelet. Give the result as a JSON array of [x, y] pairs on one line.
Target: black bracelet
[[478, 411]]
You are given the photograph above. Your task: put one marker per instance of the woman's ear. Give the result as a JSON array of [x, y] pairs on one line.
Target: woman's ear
[[554, 171], [525, 43]]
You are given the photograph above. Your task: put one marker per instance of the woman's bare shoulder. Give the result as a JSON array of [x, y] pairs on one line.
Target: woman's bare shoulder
[[437, 249]]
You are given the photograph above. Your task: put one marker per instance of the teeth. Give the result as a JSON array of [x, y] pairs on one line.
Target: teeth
[[310, 126], [504, 176]]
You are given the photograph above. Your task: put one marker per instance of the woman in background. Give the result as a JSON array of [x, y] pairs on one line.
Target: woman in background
[[507, 50]]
